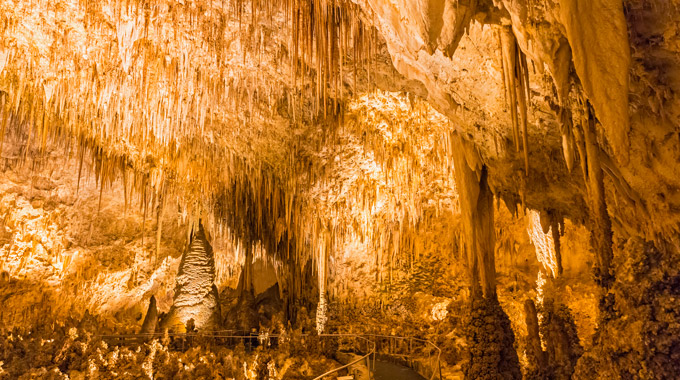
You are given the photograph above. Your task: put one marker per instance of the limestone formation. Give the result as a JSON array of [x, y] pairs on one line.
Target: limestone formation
[[386, 157], [195, 297], [536, 361], [151, 318]]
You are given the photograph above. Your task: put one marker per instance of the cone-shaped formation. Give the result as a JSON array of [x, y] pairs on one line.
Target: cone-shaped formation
[[151, 318], [195, 293]]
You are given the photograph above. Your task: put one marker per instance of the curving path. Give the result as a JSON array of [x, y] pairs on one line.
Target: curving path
[[382, 369], [385, 370]]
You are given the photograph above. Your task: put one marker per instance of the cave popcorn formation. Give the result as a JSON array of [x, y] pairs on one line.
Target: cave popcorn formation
[[272, 189]]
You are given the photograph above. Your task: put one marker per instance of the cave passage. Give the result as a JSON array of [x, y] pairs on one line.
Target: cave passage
[[340, 189], [389, 371]]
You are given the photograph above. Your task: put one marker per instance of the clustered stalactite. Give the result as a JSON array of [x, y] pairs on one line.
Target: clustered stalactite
[[577, 121], [137, 126], [134, 117], [324, 34], [517, 93], [140, 105]]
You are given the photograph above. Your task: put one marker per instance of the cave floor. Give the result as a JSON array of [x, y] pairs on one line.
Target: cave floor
[[385, 370]]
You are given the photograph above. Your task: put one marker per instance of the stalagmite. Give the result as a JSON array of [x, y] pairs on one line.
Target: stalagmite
[[151, 318], [557, 227], [322, 306], [535, 354], [563, 348], [246, 280], [195, 297]]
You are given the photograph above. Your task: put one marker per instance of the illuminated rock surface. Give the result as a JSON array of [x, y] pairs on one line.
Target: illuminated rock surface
[[497, 176], [195, 293]]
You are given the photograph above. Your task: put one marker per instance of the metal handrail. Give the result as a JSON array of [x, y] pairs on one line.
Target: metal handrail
[[365, 357], [233, 334], [437, 364], [118, 339]]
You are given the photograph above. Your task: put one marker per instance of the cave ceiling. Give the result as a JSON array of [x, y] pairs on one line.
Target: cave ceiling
[[265, 114]]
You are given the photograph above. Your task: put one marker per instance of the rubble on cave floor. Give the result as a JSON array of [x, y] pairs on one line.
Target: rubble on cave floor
[[77, 350]]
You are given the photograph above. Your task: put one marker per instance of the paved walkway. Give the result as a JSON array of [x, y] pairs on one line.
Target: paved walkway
[[389, 371]]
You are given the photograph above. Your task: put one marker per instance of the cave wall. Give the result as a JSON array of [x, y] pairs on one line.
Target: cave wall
[[69, 245], [601, 54]]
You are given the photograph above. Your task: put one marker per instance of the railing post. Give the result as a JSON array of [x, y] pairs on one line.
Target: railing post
[[374, 353], [368, 366], [440, 366]]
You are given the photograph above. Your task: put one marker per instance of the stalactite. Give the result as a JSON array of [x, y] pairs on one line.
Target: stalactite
[[602, 231], [80, 167], [101, 192], [125, 191], [516, 82], [159, 225], [523, 98], [476, 202], [566, 129], [4, 108], [557, 227], [508, 53]]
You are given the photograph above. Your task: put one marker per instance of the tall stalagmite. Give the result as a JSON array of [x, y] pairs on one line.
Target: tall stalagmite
[[195, 294]]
